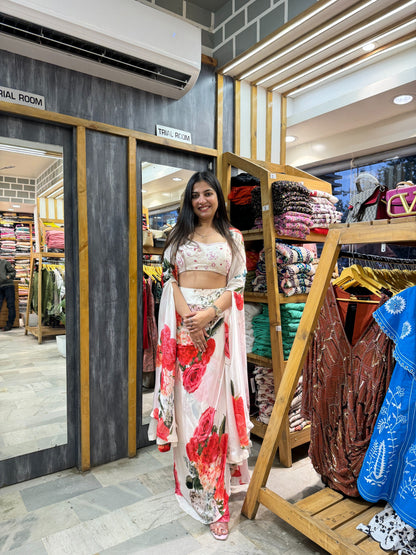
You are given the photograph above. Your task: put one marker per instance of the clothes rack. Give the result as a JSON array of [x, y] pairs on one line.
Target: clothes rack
[[326, 517]]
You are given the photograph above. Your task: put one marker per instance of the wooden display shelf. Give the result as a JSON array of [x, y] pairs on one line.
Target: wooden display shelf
[[45, 331], [257, 235], [253, 297], [152, 250], [259, 428], [259, 360], [332, 517]]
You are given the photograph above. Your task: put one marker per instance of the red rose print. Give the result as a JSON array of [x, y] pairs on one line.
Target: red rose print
[[192, 450], [155, 414], [239, 300], [178, 319], [162, 431], [209, 350], [211, 450], [240, 420], [205, 424], [192, 376], [227, 340], [177, 486], [186, 353], [168, 347], [158, 355]]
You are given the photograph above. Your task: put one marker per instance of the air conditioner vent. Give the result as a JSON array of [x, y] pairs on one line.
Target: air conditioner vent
[[46, 37]]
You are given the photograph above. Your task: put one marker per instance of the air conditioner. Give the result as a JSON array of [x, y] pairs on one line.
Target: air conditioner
[[120, 40]]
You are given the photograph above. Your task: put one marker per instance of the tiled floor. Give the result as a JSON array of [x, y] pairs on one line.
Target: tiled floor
[[128, 506], [32, 394]]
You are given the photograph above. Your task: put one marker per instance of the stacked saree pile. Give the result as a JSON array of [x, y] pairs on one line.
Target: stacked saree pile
[[250, 311], [324, 212], [292, 209], [388, 470], [295, 268], [201, 398], [252, 258], [261, 329], [290, 315], [241, 210]]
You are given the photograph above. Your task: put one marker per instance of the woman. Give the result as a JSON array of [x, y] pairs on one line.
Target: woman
[[201, 393]]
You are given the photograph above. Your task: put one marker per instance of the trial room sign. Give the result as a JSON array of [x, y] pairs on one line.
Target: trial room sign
[[171, 133], [22, 97]]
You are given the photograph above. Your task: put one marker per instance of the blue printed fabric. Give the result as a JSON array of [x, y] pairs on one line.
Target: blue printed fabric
[[389, 467]]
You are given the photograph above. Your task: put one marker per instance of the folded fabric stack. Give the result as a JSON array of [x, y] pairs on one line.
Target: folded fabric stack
[[292, 208], [295, 268], [261, 329], [252, 258], [265, 397], [324, 212], [259, 284], [241, 210], [7, 240], [250, 310], [290, 315], [55, 239], [296, 421], [22, 239]]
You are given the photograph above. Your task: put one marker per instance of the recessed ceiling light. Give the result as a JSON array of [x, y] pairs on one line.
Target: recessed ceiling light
[[290, 138], [369, 47], [166, 194], [144, 191], [177, 179], [16, 205], [403, 99]]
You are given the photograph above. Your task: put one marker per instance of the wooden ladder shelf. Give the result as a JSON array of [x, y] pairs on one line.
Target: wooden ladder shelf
[[326, 517]]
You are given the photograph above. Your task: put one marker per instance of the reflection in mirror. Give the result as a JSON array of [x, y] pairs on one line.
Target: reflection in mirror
[[162, 187], [33, 413]]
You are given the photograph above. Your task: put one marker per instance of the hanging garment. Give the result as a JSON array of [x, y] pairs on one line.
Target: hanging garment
[[345, 383], [149, 353], [389, 467], [201, 399]]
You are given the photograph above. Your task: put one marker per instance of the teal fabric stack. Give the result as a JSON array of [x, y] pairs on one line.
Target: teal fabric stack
[[290, 314], [261, 330]]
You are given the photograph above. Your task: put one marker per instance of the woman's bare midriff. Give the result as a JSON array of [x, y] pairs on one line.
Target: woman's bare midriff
[[202, 279]]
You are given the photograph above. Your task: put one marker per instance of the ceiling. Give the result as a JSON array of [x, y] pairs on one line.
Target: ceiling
[[23, 165]]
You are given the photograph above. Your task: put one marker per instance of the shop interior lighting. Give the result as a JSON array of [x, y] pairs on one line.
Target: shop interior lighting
[[15, 205], [403, 99], [326, 46], [308, 38], [282, 33], [369, 47], [346, 67], [177, 179], [290, 138], [29, 151]]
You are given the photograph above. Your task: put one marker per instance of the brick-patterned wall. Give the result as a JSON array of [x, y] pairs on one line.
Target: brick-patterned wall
[[17, 189], [50, 176], [237, 25]]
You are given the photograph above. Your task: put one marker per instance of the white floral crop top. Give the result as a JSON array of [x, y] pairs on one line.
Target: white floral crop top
[[211, 257]]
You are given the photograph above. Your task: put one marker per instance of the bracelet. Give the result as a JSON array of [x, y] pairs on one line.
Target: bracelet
[[218, 311]]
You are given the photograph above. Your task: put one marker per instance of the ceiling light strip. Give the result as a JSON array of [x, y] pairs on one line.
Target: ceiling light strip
[[368, 23], [332, 23], [279, 35], [346, 67], [342, 54]]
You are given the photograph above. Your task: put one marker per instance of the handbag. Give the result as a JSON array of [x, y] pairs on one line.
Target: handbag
[[367, 204], [401, 201], [147, 238]]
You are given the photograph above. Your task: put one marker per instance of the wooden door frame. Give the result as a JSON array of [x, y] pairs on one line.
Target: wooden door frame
[[80, 125]]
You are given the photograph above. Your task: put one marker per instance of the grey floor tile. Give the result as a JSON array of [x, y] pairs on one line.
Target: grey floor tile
[[105, 500], [35, 548], [59, 490]]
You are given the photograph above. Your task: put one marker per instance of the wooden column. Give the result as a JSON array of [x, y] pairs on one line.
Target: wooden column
[[269, 125], [220, 124], [283, 125], [253, 123], [84, 316], [237, 116]]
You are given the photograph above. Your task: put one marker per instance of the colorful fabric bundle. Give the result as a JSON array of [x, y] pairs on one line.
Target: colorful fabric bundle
[[290, 315], [241, 211], [324, 212], [250, 311], [261, 329]]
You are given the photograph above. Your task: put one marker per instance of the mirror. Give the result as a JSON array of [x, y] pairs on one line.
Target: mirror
[[33, 403], [162, 187]]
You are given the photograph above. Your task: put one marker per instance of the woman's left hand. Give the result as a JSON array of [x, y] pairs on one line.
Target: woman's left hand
[[198, 320]]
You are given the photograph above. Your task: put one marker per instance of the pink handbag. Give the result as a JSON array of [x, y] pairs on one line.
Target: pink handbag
[[401, 201]]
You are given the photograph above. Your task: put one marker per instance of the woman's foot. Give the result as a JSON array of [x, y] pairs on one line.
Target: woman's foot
[[219, 530]]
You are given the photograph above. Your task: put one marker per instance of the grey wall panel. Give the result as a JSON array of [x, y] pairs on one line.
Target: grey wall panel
[[65, 456], [80, 95], [108, 248]]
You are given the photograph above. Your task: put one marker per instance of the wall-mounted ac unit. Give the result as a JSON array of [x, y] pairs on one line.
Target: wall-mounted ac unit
[[120, 40]]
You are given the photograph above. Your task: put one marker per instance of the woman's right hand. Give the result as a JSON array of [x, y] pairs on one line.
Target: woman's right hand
[[199, 339]]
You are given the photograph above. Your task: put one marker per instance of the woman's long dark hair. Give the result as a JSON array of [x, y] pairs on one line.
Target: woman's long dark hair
[[187, 219]]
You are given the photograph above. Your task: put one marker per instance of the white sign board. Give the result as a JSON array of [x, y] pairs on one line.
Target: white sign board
[[175, 134], [22, 97]]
